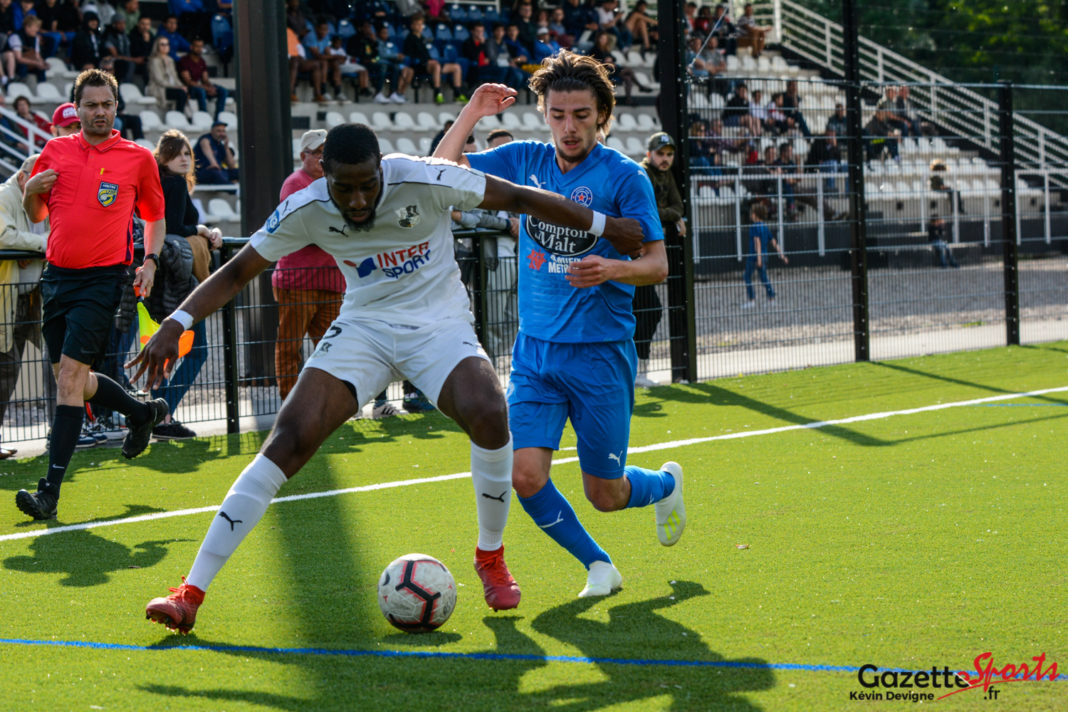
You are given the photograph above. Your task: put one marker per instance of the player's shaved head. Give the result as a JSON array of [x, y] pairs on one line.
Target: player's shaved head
[[350, 144]]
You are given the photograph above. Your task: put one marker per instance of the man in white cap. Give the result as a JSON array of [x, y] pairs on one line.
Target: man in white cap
[[307, 283]]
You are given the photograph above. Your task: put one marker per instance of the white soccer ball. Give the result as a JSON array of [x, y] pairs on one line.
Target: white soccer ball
[[416, 593]]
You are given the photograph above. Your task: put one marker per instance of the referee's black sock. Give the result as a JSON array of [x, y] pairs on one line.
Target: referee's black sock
[[110, 394], [66, 427]]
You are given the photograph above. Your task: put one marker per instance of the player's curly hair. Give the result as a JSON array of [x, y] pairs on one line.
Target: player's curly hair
[[350, 144], [567, 71], [95, 78]]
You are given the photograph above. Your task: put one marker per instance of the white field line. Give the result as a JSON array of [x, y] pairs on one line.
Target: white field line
[[815, 425]]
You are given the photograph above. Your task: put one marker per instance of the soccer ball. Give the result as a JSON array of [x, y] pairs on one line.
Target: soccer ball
[[416, 593]]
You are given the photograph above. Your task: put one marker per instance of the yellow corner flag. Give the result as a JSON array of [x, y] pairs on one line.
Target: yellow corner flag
[[148, 327]]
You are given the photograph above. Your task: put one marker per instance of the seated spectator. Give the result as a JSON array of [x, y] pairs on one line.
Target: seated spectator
[[25, 45], [522, 18], [498, 52], [65, 120], [22, 108], [642, 26], [300, 63], [392, 68], [88, 45], [130, 12], [521, 53], [178, 43], [480, 69], [618, 74], [117, 47], [295, 19], [193, 16], [724, 30], [348, 67], [750, 34], [760, 114], [716, 66], [825, 156], [129, 125], [544, 45], [580, 21], [736, 112], [839, 122], [193, 71], [905, 111], [791, 106], [317, 47], [938, 183], [889, 108], [610, 21], [163, 81], [781, 123], [215, 161], [49, 12], [141, 39], [936, 236], [880, 137], [558, 29], [416, 54], [792, 188], [719, 141], [184, 262]]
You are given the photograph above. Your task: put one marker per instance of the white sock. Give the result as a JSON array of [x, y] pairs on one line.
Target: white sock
[[243, 507], [491, 473]]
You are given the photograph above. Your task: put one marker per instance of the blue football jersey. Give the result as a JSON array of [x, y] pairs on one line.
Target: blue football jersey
[[607, 181]]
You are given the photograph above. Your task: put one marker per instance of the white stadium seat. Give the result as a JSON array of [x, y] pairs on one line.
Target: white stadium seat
[[334, 118], [150, 121], [406, 145]]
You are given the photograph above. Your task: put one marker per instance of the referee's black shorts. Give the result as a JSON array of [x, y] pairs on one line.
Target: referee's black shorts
[[78, 310]]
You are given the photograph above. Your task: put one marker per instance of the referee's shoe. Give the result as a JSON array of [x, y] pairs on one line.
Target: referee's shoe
[[140, 433]]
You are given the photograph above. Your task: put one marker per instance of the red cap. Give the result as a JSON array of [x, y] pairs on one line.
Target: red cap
[[65, 115]]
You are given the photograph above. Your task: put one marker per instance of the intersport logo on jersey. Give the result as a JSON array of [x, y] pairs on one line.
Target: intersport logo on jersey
[[394, 263]]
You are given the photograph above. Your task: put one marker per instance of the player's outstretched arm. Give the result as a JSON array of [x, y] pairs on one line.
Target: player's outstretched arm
[[625, 234], [160, 354], [488, 100]]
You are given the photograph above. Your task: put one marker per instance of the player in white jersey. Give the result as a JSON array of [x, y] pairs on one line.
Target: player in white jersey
[[405, 315]]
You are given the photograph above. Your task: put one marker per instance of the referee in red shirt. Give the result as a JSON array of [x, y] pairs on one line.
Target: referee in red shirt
[[89, 184]]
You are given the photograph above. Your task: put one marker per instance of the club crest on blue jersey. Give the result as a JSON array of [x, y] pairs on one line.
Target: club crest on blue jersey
[[409, 216], [582, 195], [107, 193]]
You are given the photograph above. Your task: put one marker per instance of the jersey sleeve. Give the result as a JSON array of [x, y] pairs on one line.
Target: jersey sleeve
[[44, 161], [636, 200], [505, 161], [150, 204], [283, 233], [451, 185]]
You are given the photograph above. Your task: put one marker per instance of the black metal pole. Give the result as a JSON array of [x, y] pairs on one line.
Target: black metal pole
[[1007, 158], [682, 317], [857, 209]]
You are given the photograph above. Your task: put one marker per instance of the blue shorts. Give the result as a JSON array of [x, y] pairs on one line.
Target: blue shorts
[[592, 384]]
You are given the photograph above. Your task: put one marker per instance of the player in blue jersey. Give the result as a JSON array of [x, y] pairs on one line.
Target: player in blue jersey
[[574, 356]]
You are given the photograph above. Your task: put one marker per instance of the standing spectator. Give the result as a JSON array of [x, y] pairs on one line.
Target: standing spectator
[[750, 33], [417, 55], [184, 262], [193, 71], [936, 235], [178, 43], [87, 45], [117, 47], [141, 39], [84, 279], [760, 245], [393, 68], [215, 160], [659, 155], [307, 283], [26, 47], [163, 81], [20, 295]]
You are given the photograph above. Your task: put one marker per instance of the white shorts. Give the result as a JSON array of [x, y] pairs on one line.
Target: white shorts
[[369, 354]]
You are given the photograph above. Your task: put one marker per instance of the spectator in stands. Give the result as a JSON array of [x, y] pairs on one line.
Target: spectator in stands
[[751, 34], [791, 106], [602, 52], [715, 65], [69, 18], [117, 47], [695, 63], [521, 54], [163, 81], [758, 251], [300, 63], [22, 109], [825, 156], [610, 20], [720, 25], [905, 111], [545, 45], [736, 112], [141, 39], [193, 16], [936, 236], [392, 66], [642, 26], [523, 19], [65, 120], [307, 283], [215, 161], [130, 12], [839, 122], [296, 20], [794, 191], [783, 124], [178, 43], [88, 44], [939, 184], [480, 69], [193, 71], [888, 106], [720, 143], [646, 305], [20, 295], [580, 20], [880, 137], [500, 55], [25, 45], [185, 261], [559, 29], [125, 123], [761, 117], [317, 47], [416, 53]]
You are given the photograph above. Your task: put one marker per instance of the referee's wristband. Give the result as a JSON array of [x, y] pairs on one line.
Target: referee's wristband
[[597, 227], [183, 317], [152, 256]]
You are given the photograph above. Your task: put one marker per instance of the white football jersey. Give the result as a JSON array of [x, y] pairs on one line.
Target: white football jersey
[[402, 270]]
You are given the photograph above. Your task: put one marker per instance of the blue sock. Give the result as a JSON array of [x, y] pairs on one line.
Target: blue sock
[[648, 486], [553, 513]]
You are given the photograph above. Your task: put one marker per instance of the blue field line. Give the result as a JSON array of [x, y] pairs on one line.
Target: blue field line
[[503, 657]]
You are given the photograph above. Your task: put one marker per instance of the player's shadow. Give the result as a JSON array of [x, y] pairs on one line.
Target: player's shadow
[[85, 558], [686, 668]]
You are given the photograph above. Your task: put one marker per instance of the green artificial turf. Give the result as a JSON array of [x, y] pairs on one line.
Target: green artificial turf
[[911, 541]]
